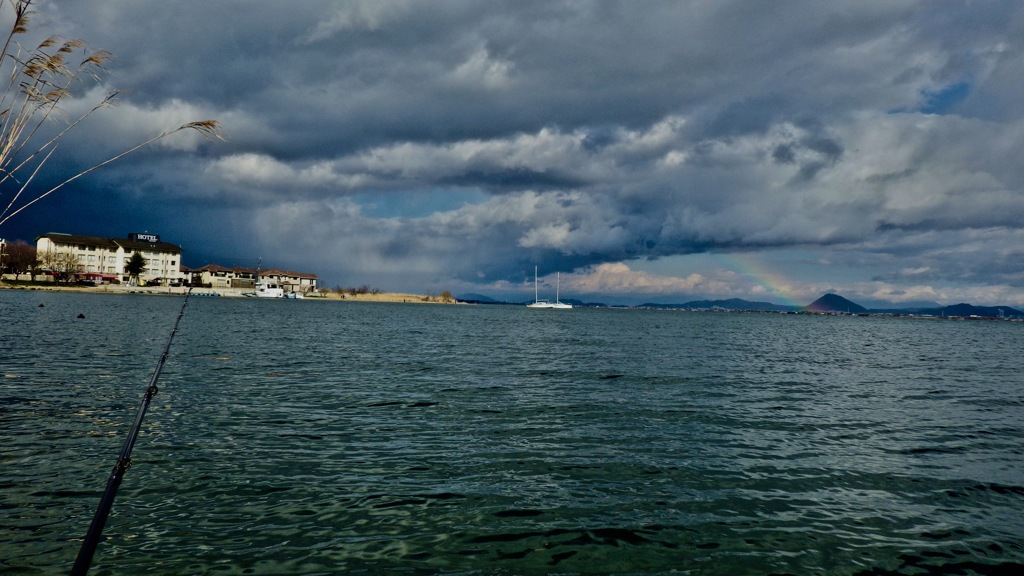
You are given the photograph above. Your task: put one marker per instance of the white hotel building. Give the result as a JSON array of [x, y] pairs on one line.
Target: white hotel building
[[105, 259]]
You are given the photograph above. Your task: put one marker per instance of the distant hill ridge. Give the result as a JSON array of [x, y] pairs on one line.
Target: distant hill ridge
[[828, 303], [473, 297], [728, 304], [968, 310], [834, 303]]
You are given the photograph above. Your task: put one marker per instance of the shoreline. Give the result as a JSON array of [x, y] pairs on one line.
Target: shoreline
[[390, 297]]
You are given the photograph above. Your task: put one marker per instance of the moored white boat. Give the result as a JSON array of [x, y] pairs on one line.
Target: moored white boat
[[265, 288], [269, 290]]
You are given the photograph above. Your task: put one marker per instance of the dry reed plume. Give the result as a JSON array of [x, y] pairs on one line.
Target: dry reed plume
[[38, 80]]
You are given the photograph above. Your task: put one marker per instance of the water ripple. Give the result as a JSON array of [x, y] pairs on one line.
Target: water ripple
[[321, 438]]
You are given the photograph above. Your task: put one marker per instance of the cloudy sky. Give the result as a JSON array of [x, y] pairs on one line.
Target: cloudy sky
[[648, 151]]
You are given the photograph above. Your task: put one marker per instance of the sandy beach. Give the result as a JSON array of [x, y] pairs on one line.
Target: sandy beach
[[229, 292]]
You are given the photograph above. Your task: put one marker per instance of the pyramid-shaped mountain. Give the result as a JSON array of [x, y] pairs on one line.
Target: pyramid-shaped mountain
[[835, 303]]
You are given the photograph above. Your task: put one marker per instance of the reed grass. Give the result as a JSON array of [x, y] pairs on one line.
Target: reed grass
[[34, 84]]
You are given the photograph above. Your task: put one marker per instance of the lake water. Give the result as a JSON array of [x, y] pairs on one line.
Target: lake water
[[313, 437]]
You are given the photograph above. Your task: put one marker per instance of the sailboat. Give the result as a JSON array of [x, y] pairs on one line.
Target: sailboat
[[538, 303]]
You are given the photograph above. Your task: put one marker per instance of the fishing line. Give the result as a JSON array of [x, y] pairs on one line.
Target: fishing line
[[124, 462]]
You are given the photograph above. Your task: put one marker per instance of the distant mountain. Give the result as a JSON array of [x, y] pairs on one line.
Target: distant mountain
[[877, 306], [581, 304], [967, 310], [916, 310], [739, 304], [835, 303], [471, 297], [961, 310], [728, 304], [827, 303]]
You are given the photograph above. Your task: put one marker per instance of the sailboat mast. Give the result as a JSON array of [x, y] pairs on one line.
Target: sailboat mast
[[536, 294], [558, 276]]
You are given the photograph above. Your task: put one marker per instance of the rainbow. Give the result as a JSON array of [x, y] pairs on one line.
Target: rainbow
[[774, 284]]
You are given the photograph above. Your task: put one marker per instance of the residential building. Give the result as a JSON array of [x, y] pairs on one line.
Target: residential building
[[216, 276], [299, 282]]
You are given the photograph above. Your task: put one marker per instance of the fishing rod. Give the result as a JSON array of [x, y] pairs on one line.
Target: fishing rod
[[124, 461]]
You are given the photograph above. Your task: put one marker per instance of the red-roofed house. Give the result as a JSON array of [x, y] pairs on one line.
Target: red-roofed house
[[216, 276], [292, 282]]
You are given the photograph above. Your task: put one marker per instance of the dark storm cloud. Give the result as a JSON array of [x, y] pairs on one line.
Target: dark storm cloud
[[570, 134], [513, 178]]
